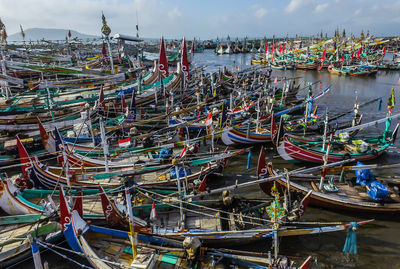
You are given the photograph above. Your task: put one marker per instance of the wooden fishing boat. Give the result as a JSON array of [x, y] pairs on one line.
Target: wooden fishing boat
[[307, 65], [107, 248], [15, 245], [347, 197], [293, 150], [353, 70], [233, 135]]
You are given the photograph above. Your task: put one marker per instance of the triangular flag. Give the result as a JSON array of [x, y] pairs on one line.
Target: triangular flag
[[153, 214], [185, 63], [163, 62], [101, 98]]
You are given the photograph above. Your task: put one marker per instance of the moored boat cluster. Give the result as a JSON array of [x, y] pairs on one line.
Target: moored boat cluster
[[124, 155]]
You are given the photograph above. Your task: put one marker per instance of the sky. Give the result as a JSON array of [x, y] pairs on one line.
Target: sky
[[206, 19]]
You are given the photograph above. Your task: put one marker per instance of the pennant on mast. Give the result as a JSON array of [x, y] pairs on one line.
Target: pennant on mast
[[185, 63], [163, 62]]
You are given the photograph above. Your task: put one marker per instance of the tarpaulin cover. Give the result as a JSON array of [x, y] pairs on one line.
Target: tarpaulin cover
[[363, 175], [181, 172], [377, 191]]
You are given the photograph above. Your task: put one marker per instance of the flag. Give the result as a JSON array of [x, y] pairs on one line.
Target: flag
[[202, 187], [24, 158], [352, 56], [185, 63], [162, 62], [342, 59], [124, 106], [323, 57], [208, 121], [384, 51], [266, 50], [124, 143], [192, 50], [153, 213], [276, 80], [101, 98], [359, 52], [183, 152]]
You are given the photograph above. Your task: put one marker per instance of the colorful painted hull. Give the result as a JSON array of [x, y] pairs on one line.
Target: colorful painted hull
[[289, 150], [232, 136], [339, 201]]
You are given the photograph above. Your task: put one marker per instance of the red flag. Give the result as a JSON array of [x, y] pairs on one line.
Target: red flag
[[183, 153], [342, 59], [101, 98], [273, 50], [359, 52], [323, 57], [124, 106], [202, 187], [184, 62], [352, 55], [208, 121], [192, 49], [64, 210], [153, 214], [384, 51], [276, 80], [124, 143], [261, 169], [266, 50], [163, 63], [280, 48], [78, 205], [23, 157]]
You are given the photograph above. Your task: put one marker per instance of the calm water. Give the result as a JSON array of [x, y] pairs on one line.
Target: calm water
[[379, 242]]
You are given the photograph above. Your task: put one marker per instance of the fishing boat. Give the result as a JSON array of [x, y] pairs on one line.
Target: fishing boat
[[357, 149], [353, 70], [372, 197], [107, 248], [15, 245]]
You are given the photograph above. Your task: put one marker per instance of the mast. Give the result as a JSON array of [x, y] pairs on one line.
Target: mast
[[106, 31], [104, 143]]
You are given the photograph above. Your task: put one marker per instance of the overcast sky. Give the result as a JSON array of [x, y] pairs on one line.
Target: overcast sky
[[205, 18]]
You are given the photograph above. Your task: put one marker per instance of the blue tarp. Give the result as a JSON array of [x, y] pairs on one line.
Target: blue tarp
[[164, 153], [377, 191], [363, 175], [181, 172]]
